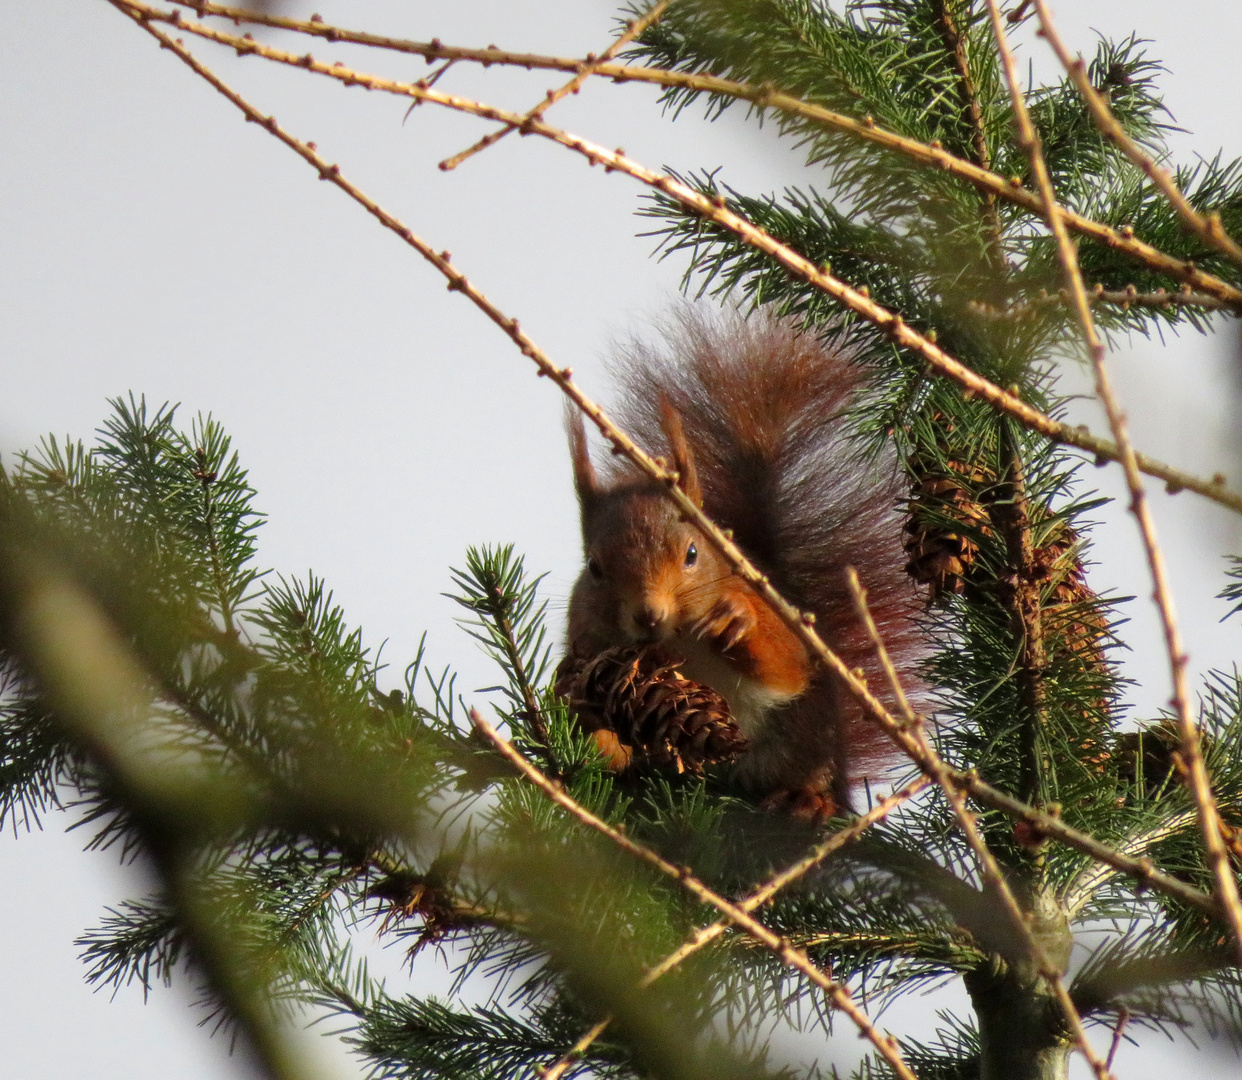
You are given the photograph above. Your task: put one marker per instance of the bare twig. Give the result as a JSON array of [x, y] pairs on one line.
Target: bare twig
[[632, 30], [929, 154], [968, 823], [1141, 869], [757, 899], [1208, 229], [1196, 776], [716, 209], [795, 958], [1123, 1018], [1019, 13], [1123, 298]]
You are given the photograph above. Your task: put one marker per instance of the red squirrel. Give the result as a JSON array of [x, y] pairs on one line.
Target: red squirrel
[[750, 414]]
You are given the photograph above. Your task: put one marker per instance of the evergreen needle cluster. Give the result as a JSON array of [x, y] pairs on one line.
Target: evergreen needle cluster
[[231, 727]]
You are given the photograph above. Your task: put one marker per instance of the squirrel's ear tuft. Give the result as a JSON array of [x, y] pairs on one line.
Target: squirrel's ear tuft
[[585, 482], [683, 458]]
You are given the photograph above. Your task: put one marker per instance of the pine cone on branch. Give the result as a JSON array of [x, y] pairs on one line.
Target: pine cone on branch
[[642, 710], [1087, 632], [943, 509]]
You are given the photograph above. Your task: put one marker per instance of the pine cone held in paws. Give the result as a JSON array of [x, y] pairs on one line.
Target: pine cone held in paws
[[642, 710]]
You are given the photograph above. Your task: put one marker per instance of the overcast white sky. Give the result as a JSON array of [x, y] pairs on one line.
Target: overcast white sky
[[150, 241]]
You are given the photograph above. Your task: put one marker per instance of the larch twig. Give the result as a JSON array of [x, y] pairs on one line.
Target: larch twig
[[1207, 228], [716, 209], [632, 30], [1098, 295], [931, 155]]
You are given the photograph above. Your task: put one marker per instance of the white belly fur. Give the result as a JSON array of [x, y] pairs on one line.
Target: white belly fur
[[749, 700]]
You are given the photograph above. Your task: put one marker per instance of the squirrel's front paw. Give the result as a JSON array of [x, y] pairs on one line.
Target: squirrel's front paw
[[730, 621]]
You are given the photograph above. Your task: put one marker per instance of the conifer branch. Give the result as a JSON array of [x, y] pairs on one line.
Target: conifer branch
[[492, 589], [206, 480], [857, 300], [755, 900], [1088, 882], [1139, 868], [633, 29], [955, 44], [1208, 229], [100, 692], [989, 867], [970, 782], [931, 155], [793, 957], [1021, 594], [1197, 780]]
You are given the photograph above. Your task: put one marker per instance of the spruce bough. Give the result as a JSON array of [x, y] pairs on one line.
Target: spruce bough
[[231, 726]]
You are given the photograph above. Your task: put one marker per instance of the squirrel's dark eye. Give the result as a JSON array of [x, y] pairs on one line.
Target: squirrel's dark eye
[[595, 570], [692, 555]]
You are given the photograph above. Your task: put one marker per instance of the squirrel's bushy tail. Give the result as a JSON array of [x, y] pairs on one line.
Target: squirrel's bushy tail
[[762, 403]]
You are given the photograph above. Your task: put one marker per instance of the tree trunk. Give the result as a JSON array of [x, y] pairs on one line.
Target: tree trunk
[[1021, 1028]]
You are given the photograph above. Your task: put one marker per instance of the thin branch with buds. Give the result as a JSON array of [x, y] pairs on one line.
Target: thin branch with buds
[[716, 209], [755, 900], [931, 154], [632, 30], [802, 625], [1123, 1018], [1196, 776], [1123, 298], [794, 957]]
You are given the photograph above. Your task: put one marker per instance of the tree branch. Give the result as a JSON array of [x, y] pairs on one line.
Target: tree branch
[[794, 957], [591, 65], [857, 300], [931, 155], [1208, 229], [756, 899], [1020, 919], [1197, 780]]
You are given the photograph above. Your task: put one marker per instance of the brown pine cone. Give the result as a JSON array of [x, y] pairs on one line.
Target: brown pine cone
[[944, 492], [642, 710]]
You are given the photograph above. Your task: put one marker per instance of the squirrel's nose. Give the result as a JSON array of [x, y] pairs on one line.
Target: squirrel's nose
[[647, 620]]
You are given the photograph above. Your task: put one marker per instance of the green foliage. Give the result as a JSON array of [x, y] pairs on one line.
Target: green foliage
[[344, 803], [937, 249], [299, 803], [981, 276], [554, 921], [1233, 591]]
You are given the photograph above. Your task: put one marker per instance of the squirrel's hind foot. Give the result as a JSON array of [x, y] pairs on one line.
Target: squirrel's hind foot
[[801, 804]]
